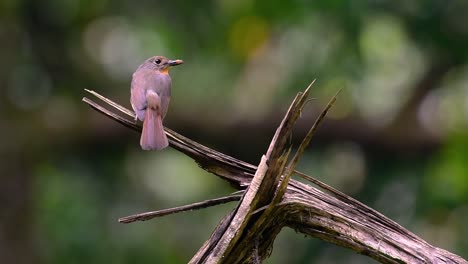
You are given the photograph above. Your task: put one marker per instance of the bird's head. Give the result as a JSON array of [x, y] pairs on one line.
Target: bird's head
[[161, 63]]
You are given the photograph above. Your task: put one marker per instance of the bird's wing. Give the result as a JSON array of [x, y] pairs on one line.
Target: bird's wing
[[162, 85], [138, 92]]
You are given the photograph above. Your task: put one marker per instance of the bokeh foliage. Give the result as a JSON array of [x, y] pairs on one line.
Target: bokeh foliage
[[397, 138]]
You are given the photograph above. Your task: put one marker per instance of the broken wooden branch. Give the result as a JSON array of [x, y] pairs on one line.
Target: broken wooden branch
[[272, 201], [195, 206]]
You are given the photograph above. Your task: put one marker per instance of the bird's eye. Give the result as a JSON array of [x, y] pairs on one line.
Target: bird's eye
[[158, 61]]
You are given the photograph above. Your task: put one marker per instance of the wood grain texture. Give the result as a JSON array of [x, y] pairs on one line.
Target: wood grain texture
[[247, 233]]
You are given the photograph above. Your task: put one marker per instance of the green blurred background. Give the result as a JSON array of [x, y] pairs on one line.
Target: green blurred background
[[396, 139]]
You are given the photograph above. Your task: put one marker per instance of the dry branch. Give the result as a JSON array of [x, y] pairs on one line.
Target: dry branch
[[195, 206], [272, 201]]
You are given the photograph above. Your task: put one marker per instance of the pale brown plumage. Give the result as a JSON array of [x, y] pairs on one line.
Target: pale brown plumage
[[150, 96]]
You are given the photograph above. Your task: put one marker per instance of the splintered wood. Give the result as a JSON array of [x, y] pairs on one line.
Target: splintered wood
[[271, 200]]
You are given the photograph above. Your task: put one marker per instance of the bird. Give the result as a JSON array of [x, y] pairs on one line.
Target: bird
[[150, 94]]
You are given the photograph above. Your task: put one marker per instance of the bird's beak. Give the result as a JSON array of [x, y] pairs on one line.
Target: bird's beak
[[175, 62]]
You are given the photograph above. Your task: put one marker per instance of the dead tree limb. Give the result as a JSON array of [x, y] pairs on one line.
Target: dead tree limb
[[271, 200]]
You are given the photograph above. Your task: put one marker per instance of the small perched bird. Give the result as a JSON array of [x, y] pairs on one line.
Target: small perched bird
[[150, 96]]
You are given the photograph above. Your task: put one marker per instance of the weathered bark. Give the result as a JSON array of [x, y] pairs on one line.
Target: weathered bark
[[271, 201]]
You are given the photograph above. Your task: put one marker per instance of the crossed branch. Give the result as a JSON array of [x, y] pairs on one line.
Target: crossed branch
[[269, 200]]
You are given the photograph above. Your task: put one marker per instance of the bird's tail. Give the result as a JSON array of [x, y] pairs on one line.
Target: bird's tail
[[152, 135]]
